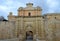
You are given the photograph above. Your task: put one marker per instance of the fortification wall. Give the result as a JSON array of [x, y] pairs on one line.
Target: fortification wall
[[6, 30]]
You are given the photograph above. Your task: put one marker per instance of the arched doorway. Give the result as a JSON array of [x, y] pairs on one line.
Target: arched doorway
[[29, 35]]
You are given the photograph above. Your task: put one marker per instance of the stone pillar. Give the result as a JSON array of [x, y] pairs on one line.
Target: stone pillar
[[34, 37], [21, 37]]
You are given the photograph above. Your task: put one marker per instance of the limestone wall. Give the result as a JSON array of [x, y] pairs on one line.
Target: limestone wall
[[13, 39], [52, 30], [6, 29]]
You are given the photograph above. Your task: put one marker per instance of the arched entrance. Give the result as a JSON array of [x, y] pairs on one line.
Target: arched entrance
[[29, 35]]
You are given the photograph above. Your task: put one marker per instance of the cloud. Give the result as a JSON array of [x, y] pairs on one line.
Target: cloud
[[52, 5], [3, 8], [48, 6], [10, 5]]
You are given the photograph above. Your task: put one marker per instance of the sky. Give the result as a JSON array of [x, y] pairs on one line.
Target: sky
[[48, 6]]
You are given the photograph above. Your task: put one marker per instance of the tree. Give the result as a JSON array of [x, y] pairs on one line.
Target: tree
[[2, 18]]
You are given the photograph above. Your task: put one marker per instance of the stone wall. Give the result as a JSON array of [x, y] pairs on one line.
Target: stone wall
[[6, 29], [52, 30], [13, 39]]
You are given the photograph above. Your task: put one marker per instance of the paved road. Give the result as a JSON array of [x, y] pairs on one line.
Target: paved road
[[29, 40]]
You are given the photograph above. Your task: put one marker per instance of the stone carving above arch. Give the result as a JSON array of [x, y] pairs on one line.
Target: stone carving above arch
[[29, 27]]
